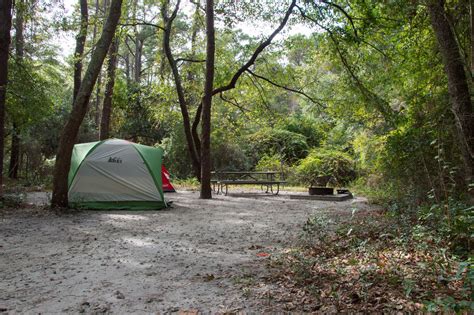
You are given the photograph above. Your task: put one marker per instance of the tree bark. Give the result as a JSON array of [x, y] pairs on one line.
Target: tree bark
[[5, 26], [80, 43], [471, 7], [109, 90], [80, 106], [98, 86], [127, 63], [206, 191], [138, 57], [19, 54], [458, 86]]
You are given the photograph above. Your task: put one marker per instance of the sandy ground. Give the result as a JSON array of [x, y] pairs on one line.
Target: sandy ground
[[188, 257]]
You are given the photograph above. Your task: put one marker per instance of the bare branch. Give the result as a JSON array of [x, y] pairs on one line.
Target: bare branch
[[257, 52], [189, 60], [286, 88], [143, 23], [234, 103], [261, 91]]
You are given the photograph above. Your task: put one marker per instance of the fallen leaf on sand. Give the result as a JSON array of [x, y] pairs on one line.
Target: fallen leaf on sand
[[262, 254], [209, 277], [188, 312]]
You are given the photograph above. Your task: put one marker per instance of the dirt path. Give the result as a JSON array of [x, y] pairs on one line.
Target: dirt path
[[188, 257]]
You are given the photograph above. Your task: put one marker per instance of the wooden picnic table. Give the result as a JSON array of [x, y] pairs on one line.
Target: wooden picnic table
[[264, 179]]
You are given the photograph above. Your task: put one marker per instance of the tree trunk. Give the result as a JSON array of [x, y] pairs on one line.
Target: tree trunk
[[206, 191], [179, 87], [19, 38], [19, 54], [14, 154], [5, 26], [80, 106], [471, 3], [80, 43], [98, 86], [138, 57], [457, 82], [127, 63], [109, 90]]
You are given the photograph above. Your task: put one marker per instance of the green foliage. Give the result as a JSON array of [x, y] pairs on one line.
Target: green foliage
[[274, 163], [289, 145], [229, 157], [176, 157], [306, 126], [269, 163], [323, 165]]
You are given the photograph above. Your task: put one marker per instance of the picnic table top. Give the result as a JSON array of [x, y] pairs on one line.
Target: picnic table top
[[264, 182], [243, 172]]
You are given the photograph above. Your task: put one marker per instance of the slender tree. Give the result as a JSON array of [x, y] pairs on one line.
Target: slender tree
[[183, 103], [5, 26], [206, 192], [19, 54], [458, 85], [80, 107]]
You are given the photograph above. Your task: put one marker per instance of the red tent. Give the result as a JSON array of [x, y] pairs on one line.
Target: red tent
[[165, 178]]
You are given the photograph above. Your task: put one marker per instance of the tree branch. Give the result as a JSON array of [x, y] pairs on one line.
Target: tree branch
[[338, 7], [189, 60], [257, 52], [260, 91], [143, 23], [234, 103], [286, 88]]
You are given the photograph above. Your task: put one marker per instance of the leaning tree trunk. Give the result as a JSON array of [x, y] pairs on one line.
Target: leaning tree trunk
[[206, 192], [80, 106], [183, 103], [109, 90], [80, 43], [458, 86], [19, 54], [5, 26]]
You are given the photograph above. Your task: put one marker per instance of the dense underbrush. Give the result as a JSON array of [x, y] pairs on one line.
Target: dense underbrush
[[372, 261]]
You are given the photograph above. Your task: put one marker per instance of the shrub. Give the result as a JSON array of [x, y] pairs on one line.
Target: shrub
[[308, 127], [289, 145], [322, 164], [229, 156], [273, 163]]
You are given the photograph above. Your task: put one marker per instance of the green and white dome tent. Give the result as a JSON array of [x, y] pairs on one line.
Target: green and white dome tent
[[115, 174]]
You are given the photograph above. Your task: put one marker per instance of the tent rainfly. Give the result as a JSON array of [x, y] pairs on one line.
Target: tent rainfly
[[115, 174], [165, 176]]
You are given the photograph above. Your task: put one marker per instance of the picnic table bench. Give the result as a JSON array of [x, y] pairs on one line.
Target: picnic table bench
[[264, 179]]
